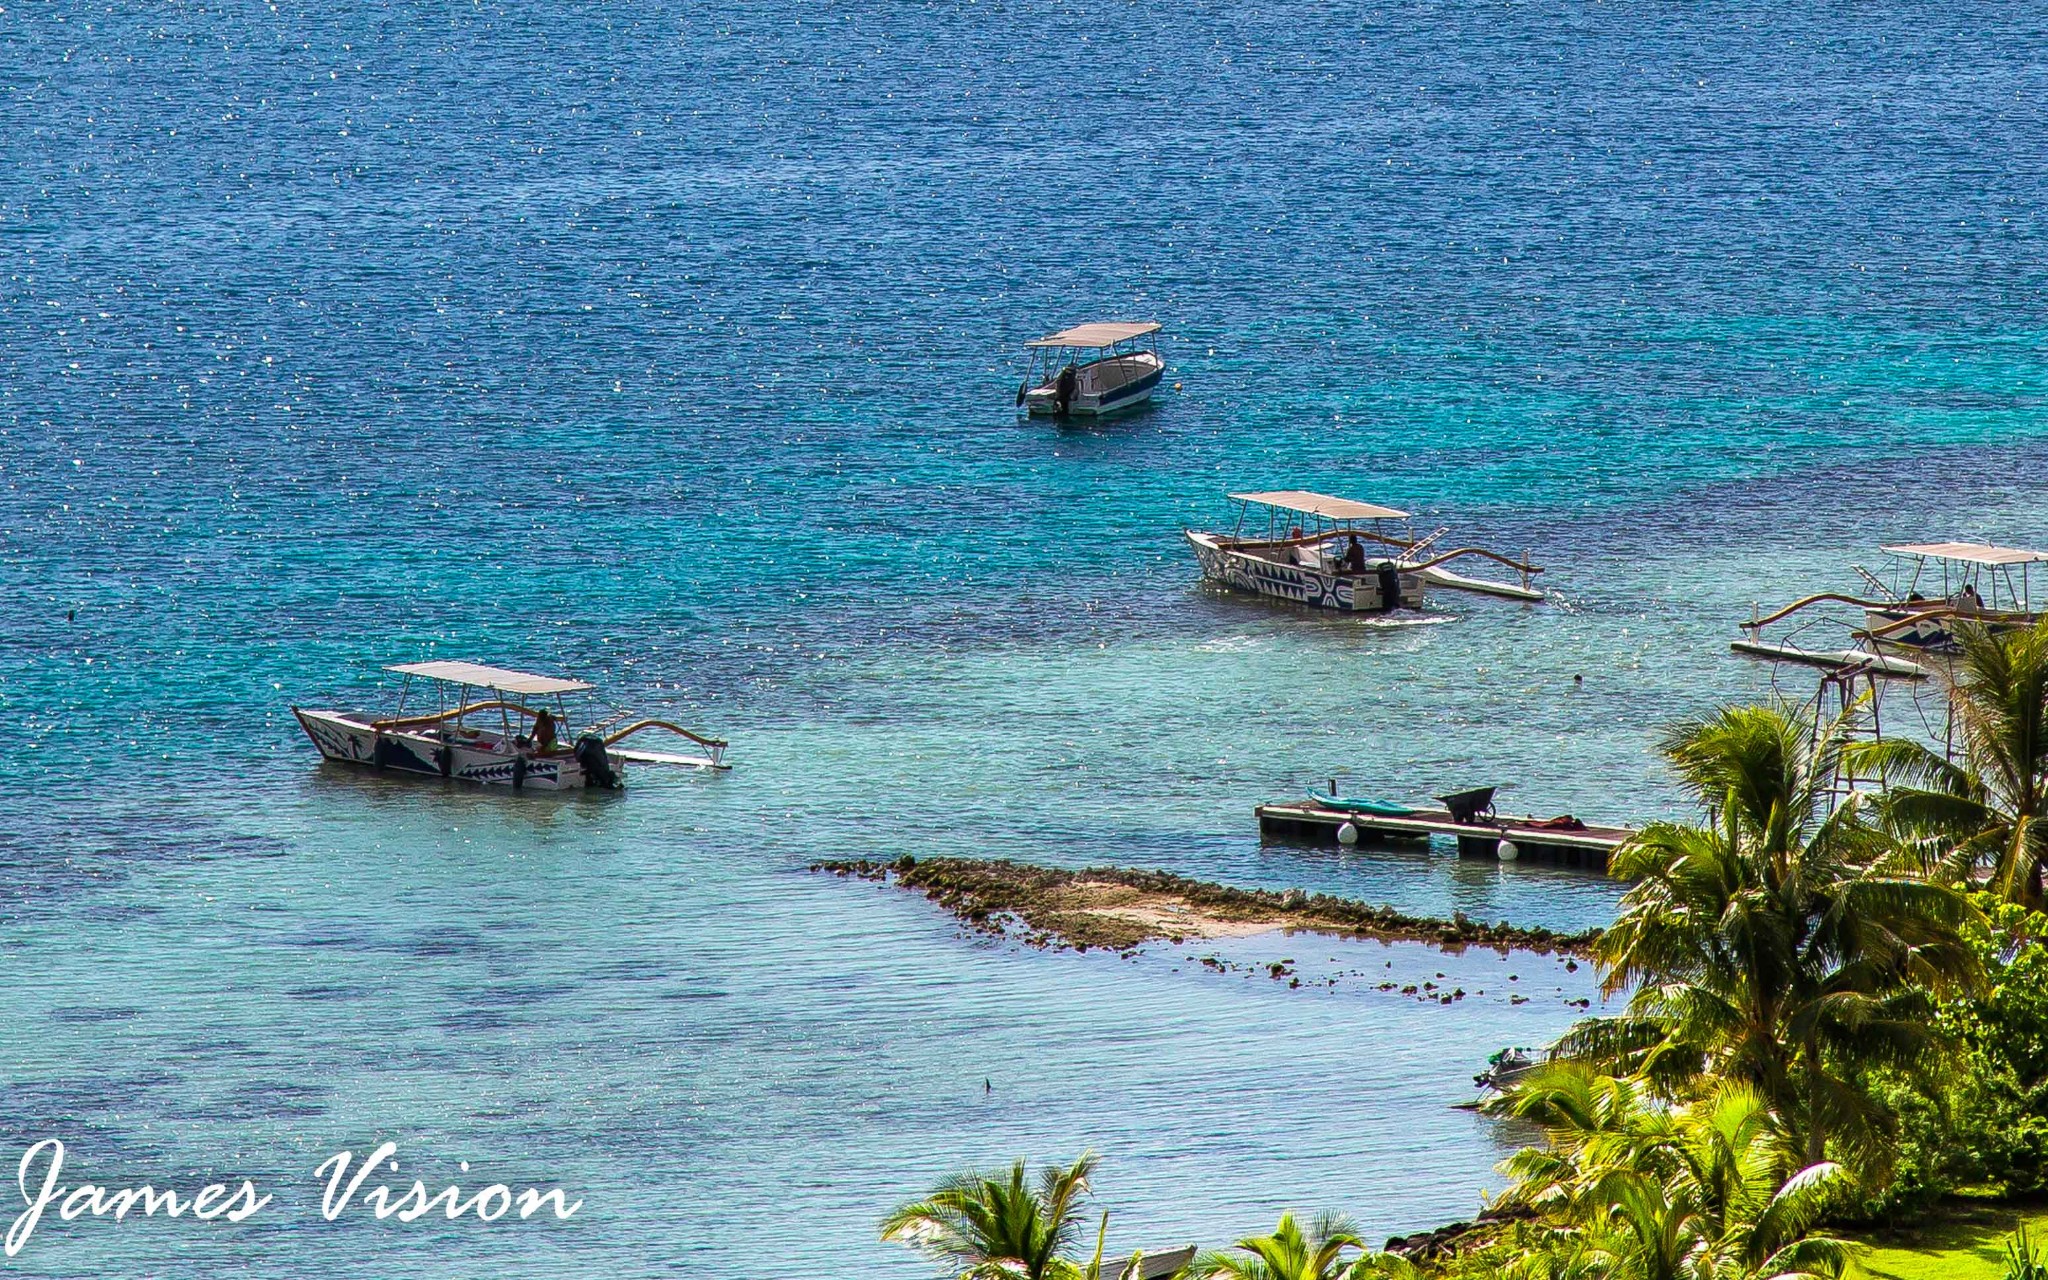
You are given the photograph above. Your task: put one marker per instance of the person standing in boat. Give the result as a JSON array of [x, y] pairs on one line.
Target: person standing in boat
[[1069, 383]]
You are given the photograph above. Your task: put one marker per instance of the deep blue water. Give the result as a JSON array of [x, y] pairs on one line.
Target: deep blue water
[[674, 348]]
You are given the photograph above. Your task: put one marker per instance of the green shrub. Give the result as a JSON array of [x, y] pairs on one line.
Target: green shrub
[[2022, 1260], [1980, 1119]]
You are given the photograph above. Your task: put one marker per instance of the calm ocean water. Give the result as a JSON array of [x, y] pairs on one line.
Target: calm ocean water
[[674, 347]]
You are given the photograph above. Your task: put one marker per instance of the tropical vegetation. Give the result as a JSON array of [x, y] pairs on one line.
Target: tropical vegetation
[[1711, 1189], [1782, 944]]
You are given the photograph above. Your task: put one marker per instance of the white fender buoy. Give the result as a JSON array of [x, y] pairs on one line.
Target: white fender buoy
[[1507, 851], [1348, 833]]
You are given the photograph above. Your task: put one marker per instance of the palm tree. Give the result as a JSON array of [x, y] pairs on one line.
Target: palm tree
[[1776, 945], [1991, 809], [1630, 1186], [1598, 1125], [1287, 1254], [1003, 1226]]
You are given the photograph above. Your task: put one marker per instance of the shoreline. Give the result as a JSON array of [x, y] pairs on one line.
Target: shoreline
[[1121, 908]]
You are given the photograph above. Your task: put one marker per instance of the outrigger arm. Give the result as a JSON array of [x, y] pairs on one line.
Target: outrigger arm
[[1818, 598], [1905, 621], [716, 746], [1431, 569], [1441, 578]]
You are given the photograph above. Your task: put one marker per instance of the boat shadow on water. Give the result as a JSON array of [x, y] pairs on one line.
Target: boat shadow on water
[[400, 788], [337, 779]]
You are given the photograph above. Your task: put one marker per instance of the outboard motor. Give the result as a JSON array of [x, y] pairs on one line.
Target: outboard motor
[[1390, 588], [597, 764]]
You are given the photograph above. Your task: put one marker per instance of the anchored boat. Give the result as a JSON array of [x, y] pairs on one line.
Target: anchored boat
[[519, 736], [1505, 1066], [1094, 369], [1339, 554], [1909, 618]]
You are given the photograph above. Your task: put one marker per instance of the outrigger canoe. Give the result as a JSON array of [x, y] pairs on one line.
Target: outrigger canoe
[[1909, 619], [1336, 553], [520, 737]]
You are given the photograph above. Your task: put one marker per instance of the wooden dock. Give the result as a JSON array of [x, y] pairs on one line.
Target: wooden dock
[[1587, 846]]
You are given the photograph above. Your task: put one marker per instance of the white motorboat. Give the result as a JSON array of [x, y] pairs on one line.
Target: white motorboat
[[1506, 1066], [1336, 553], [1092, 369], [502, 740]]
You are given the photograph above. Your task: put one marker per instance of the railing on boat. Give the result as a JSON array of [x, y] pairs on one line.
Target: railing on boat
[[456, 713], [495, 704], [1522, 566]]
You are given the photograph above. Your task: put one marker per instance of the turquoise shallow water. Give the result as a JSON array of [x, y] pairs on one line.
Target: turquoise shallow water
[[675, 349]]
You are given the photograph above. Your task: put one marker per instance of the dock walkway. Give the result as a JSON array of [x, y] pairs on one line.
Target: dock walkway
[[1587, 846]]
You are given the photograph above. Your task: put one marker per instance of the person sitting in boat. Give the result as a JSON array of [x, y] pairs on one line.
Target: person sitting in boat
[[1304, 555], [1968, 601], [544, 731], [1354, 556]]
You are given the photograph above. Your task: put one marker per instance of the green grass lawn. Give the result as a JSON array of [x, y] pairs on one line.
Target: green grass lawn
[[1968, 1245]]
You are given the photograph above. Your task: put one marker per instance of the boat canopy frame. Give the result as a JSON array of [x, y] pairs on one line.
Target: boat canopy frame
[[1330, 517], [1964, 565], [1106, 338], [464, 676], [1098, 335]]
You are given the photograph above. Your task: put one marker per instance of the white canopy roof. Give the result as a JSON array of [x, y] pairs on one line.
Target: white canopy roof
[[1321, 504], [1102, 333], [494, 678], [1970, 552]]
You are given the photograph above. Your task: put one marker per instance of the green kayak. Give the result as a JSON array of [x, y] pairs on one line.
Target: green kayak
[[1360, 804]]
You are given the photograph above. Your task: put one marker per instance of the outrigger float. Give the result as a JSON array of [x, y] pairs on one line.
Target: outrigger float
[[1339, 554], [1092, 369], [517, 744], [1908, 621]]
